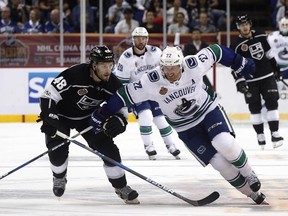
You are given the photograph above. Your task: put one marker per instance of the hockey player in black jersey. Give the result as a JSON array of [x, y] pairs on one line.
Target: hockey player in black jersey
[[253, 44], [68, 103]]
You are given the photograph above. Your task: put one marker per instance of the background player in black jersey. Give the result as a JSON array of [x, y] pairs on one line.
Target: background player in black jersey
[[68, 103], [253, 44]]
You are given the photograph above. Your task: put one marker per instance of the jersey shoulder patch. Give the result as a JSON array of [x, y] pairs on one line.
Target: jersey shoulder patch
[[127, 54], [153, 49], [191, 62], [153, 76]]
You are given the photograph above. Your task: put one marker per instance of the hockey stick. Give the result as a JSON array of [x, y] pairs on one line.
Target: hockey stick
[[209, 199], [44, 153], [282, 80]]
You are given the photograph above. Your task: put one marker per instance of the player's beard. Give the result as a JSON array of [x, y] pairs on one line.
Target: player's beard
[[140, 47]]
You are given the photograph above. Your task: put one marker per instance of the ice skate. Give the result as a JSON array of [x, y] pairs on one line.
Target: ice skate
[[174, 151], [59, 185], [261, 140], [150, 151], [127, 194], [258, 198], [276, 139], [254, 182]]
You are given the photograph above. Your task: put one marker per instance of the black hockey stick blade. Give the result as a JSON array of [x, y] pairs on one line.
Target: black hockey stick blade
[[206, 200]]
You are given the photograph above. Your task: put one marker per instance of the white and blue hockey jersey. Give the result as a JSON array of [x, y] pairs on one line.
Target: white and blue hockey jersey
[[131, 67], [279, 48]]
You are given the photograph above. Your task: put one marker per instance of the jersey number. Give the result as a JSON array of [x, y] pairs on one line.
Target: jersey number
[[60, 82]]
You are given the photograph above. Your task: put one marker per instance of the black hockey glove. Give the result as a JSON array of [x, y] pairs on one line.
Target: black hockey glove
[[276, 68], [115, 125], [50, 124], [242, 86]]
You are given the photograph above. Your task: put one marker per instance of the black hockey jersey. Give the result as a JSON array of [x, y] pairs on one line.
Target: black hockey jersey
[[76, 93], [255, 48]]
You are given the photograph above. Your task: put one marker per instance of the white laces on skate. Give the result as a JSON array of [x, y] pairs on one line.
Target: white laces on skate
[[253, 182]]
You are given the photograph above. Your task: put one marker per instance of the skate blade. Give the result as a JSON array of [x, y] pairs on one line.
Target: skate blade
[[264, 203], [262, 147], [177, 157], [277, 144], [132, 202], [152, 157]]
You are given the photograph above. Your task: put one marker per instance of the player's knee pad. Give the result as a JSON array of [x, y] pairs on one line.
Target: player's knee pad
[[145, 118], [255, 107], [271, 104], [226, 145]]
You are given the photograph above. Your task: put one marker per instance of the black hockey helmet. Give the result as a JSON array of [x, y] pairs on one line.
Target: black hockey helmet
[[243, 19], [101, 54]]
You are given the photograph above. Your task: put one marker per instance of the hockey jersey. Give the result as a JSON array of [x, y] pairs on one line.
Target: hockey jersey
[[184, 102], [279, 49], [258, 49], [131, 67], [76, 94]]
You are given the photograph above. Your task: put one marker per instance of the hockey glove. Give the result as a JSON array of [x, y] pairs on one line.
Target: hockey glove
[[97, 120], [241, 86], [50, 124], [243, 66], [115, 125]]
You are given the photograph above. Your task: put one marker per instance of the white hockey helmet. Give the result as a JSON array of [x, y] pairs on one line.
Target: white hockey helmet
[[171, 56], [139, 31], [283, 25]]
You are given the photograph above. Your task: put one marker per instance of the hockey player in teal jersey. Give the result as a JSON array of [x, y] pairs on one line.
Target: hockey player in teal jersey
[[177, 85]]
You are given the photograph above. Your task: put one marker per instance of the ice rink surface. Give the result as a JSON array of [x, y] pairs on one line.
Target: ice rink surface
[[28, 191]]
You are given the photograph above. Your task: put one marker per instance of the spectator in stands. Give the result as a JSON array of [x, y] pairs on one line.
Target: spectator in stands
[[179, 26], [45, 7], [90, 18], [282, 12], [33, 25], [172, 12], [194, 47], [195, 7], [127, 25], [204, 25], [53, 26], [115, 14], [7, 26], [18, 13], [90, 27], [156, 7], [3, 3], [150, 25]]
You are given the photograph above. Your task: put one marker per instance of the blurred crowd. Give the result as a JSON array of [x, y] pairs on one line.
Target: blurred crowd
[[120, 16]]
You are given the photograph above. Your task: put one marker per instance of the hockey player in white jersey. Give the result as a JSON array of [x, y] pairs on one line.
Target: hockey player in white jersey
[[177, 85], [278, 40], [133, 63]]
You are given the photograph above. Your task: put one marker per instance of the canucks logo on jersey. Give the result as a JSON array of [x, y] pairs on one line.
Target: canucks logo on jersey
[[188, 107]]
